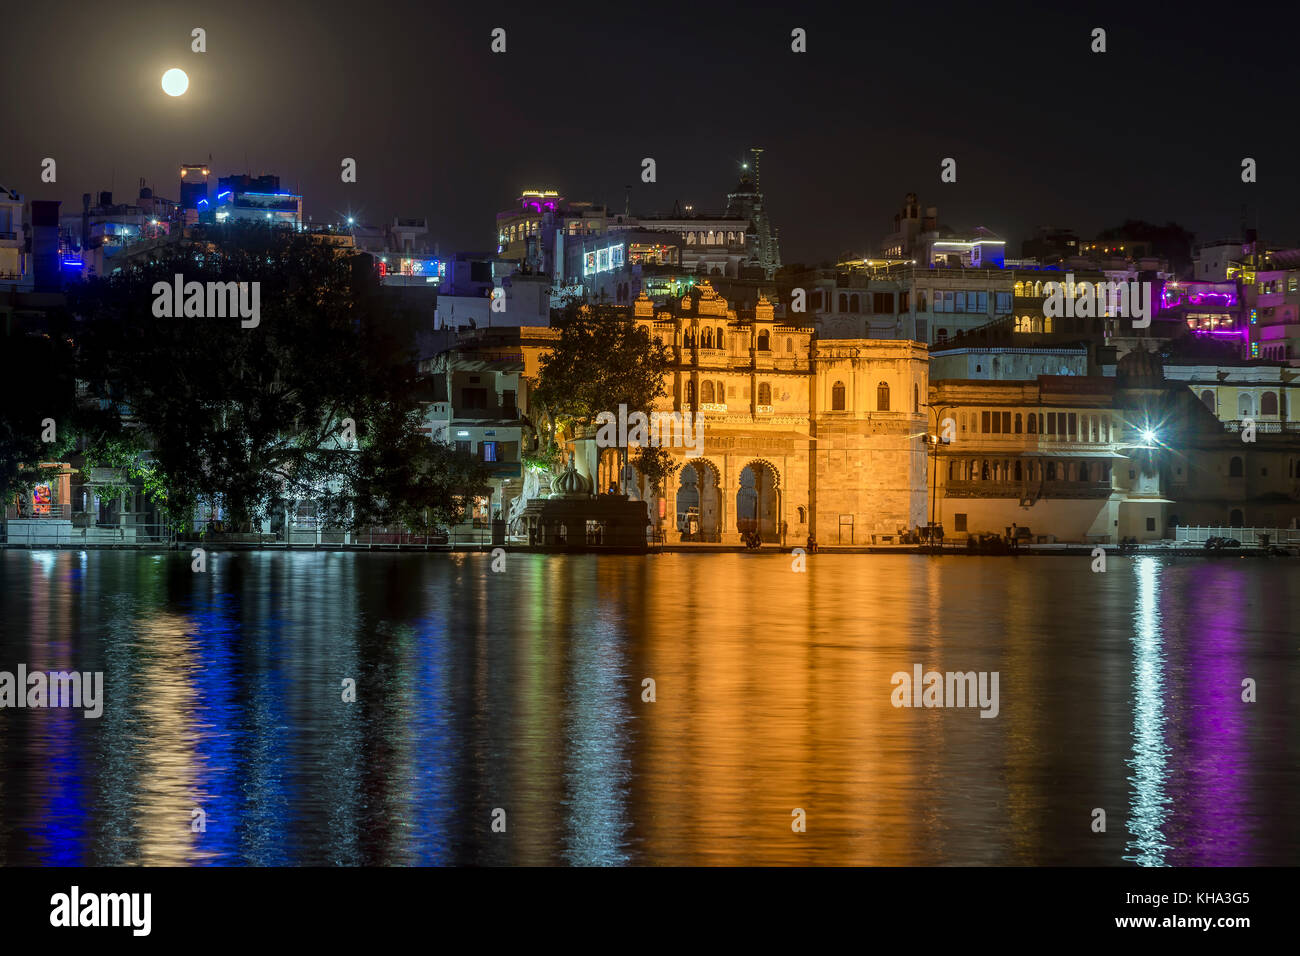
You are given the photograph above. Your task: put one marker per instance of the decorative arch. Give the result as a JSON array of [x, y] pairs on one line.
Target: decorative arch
[[758, 498], [698, 488]]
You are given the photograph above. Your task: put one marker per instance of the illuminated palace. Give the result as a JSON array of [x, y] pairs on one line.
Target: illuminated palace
[[802, 437]]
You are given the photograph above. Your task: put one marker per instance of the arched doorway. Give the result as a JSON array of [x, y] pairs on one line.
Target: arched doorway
[[758, 500], [699, 502]]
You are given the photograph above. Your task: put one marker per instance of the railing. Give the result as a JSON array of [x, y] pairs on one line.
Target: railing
[[1022, 490], [54, 511], [22, 533], [1265, 427], [1249, 537]]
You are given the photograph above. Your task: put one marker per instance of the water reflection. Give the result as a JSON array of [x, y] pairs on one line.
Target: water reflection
[[517, 697], [1150, 755]]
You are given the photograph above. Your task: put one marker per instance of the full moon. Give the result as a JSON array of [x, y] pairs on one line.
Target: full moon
[[175, 82]]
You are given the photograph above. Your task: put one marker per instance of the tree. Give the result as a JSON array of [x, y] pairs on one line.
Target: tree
[[37, 404], [1170, 241], [655, 464], [602, 360], [318, 398]]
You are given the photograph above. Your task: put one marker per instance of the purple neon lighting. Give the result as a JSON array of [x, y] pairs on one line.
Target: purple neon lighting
[[1195, 298]]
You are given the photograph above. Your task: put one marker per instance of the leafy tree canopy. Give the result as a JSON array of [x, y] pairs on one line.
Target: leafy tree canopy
[[258, 416], [602, 360]]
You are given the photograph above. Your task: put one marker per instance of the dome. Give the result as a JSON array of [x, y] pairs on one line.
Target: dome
[[570, 484]]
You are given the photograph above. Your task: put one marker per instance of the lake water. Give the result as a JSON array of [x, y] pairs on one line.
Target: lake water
[[518, 696]]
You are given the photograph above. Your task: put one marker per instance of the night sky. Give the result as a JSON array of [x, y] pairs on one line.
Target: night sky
[[1043, 130]]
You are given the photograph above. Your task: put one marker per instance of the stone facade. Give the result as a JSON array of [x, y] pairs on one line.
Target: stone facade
[[801, 437]]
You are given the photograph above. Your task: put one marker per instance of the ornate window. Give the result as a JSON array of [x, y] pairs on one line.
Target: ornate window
[[764, 394], [764, 341], [882, 397]]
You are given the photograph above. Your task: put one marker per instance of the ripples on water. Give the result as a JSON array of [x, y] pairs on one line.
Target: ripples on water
[[523, 691]]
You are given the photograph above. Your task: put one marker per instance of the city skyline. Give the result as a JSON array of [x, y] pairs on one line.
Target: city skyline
[[593, 435], [1062, 158]]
